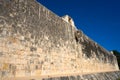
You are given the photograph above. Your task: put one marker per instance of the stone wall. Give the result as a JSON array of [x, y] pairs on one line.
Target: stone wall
[[97, 76], [36, 42], [115, 75]]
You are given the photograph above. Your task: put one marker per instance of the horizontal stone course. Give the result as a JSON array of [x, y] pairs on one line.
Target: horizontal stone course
[[96, 76]]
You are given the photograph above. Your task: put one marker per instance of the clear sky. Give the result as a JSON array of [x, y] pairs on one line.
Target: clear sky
[[99, 19]]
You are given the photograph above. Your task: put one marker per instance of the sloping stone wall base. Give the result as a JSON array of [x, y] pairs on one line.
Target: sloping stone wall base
[[98, 76], [95, 76]]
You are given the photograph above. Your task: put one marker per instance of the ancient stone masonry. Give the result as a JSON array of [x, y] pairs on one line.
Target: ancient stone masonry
[[36, 42], [97, 76]]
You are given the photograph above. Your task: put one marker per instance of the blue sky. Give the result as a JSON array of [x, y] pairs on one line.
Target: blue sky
[[99, 19]]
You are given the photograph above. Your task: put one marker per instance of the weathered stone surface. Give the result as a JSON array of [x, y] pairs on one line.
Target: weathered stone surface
[[98, 76], [36, 42]]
